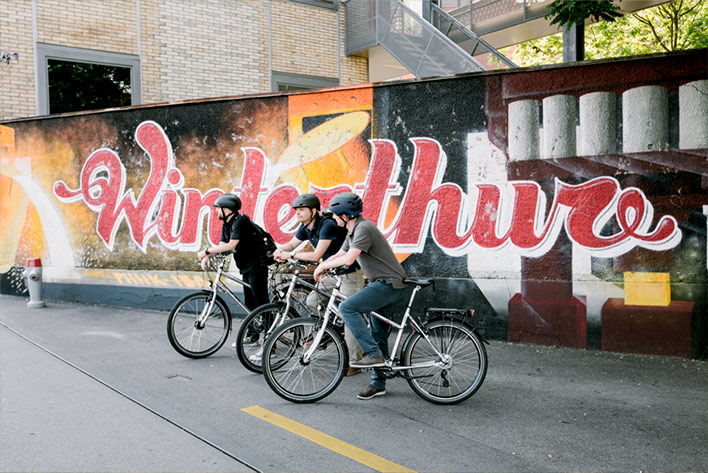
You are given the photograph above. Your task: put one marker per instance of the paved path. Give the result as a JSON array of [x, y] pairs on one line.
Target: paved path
[[87, 388]]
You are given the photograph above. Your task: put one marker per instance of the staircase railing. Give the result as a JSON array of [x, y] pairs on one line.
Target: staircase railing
[[415, 43], [461, 35]]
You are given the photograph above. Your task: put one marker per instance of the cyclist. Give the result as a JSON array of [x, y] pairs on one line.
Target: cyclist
[[326, 237], [238, 233], [366, 245]]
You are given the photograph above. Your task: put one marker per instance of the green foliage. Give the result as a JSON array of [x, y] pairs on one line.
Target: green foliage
[[674, 26], [566, 13], [75, 86]]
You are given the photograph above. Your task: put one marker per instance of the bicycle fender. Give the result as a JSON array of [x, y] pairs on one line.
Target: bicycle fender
[[462, 316]]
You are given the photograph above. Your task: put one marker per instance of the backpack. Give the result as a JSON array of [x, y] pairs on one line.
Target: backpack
[[323, 216], [267, 242]]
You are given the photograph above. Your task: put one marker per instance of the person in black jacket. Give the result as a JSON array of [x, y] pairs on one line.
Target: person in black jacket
[[238, 233]]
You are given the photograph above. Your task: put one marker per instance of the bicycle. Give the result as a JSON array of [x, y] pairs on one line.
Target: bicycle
[[261, 322], [200, 322], [443, 360]]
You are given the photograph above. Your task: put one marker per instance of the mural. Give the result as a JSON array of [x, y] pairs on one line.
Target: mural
[[567, 205]]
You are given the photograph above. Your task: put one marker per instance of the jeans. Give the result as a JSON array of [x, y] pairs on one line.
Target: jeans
[[257, 294], [380, 297], [351, 283]]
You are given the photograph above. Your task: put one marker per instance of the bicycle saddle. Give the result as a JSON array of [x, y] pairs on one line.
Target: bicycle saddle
[[422, 282]]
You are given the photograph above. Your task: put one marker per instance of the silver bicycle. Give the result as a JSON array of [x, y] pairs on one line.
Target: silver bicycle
[[443, 360], [292, 284], [200, 322]]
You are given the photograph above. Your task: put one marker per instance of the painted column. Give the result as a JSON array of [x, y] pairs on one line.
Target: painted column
[[523, 130], [693, 115], [598, 124], [645, 119], [545, 310], [559, 114]]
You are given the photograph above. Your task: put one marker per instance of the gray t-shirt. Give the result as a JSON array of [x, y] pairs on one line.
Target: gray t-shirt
[[377, 259]]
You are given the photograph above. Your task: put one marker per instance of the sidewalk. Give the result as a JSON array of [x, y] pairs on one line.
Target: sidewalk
[[540, 408]]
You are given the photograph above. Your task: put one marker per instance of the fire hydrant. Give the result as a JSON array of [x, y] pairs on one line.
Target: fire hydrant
[[33, 276]]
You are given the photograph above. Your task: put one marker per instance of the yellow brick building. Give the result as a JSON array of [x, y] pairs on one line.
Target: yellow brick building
[[175, 49]]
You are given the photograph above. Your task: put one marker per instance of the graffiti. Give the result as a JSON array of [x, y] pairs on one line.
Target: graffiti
[[428, 203], [146, 279], [537, 230]]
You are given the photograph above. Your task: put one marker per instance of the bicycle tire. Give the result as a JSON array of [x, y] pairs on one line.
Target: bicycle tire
[[299, 382], [253, 332], [468, 362], [188, 339]]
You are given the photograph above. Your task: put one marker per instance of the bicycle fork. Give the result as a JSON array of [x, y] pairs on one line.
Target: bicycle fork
[[331, 309], [201, 320]]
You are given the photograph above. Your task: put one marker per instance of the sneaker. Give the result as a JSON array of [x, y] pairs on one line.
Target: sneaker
[[369, 361], [256, 357], [371, 392]]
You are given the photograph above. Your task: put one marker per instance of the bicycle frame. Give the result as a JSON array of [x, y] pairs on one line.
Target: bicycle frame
[[333, 308], [217, 285], [295, 280]]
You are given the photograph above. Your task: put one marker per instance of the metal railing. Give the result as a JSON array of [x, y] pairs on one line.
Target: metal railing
[[463, 37], [414, 42], [478, 12]]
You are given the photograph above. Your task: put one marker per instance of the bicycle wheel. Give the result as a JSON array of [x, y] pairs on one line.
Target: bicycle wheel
[[289, 375], [455, 378], [191, 338], [255, 329]]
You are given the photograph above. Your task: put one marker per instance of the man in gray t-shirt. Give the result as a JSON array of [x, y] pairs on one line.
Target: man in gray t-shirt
[[366, 245]]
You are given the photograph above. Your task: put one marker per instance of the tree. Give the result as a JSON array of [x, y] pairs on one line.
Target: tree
[[676, 26], [566, 13], [666, 25], [570, 16]]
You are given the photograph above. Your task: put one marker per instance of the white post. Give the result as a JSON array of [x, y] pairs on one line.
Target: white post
[[523, 130], [598, 124], [645, 119], [693, 115], [559, 114]]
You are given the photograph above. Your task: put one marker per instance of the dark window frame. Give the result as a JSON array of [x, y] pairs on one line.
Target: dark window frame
[[328, 4], [300, 80], [47, 52]]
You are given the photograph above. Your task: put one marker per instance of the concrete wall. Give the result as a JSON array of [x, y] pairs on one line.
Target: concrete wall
[[566, 205]]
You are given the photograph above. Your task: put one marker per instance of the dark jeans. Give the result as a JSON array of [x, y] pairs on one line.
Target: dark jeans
[[379, 297], [257, 294]]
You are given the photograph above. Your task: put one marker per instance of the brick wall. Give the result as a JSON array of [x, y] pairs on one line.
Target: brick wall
[[92, 24], [17, 97], [188, 50]]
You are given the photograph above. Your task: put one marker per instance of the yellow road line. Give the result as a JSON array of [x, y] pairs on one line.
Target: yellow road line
[[327, 441]]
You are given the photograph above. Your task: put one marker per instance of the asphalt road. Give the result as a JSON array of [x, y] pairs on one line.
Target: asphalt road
[[90, 388]]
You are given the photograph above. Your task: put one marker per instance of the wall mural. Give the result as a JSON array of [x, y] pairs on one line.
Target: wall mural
[[567, 205]]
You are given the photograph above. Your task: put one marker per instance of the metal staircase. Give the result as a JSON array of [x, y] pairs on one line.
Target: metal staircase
[[416, 43], [463, 37]]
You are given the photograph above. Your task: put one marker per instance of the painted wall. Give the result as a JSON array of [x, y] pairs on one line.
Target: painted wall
[[567, 205]]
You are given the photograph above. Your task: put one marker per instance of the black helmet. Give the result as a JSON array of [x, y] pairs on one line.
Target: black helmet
[[346, 203], [307, 200], [230, 201]]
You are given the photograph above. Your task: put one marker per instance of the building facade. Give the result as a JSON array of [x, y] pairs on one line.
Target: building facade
[[175, 49]]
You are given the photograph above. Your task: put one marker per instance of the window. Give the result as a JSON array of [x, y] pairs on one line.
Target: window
[[285, 82], [330, 4], [73, 79]]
